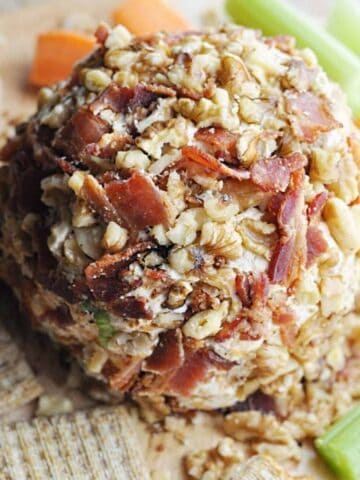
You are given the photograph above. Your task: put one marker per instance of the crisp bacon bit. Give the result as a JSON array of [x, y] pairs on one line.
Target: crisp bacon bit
[[210, 162], [252, 289], [118, 142], [238, 327], [132, 307], [273, 174], [287, 214], [65, 166], [227, 330], [316, 244], [114, 97], [221, 143], [247, 336], [82, 129], [191, 372], [143, 97], [139, 193], [281, 260], [310, 116], [94, 194], [110, 265], [290, 252], [121, 99], [108, 290], [161, 275], [316, 205], [168, 355], [101, 33], [194, 369], [284, 315], [122, 376]]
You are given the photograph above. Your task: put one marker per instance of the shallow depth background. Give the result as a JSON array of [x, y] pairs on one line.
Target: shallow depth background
[[316, 7]]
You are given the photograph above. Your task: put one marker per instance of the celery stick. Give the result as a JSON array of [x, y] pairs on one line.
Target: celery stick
[[340, 446], [275, 17], [344, 23]]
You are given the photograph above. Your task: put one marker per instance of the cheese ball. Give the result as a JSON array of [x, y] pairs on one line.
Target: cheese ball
[[182, 215]]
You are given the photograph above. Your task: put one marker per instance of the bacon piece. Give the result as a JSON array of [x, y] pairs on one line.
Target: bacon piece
[[181, 367], [66, 167], [310, 116], [227, 330], [290, 252], [288, 211], [143, 97], [82, 129], [273, 174], [108, 290], [122, 99], [316, 244], [161, 275], [110, 265], [168, 355], [122, 375], [281, 260], [221, 142], [94, 194], [101, 33], [192, 371], [209, 161], [252, 289], [316, 205], [118, 142], [113, 97], [284, 315], [137, 201], [132, 307]]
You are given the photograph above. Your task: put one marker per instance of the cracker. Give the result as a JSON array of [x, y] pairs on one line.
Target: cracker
[[98, 444], [18, 385]]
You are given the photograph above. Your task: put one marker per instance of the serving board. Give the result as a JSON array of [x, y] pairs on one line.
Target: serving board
[[18, 31]]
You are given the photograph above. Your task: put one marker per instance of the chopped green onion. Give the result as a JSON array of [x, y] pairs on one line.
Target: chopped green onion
[[106, 330], [276, 17], [344, 23], [102, 320], [340, 446]]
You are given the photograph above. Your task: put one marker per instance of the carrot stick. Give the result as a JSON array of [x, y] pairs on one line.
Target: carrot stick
[[142, 17], [357, 122], [56, 53]]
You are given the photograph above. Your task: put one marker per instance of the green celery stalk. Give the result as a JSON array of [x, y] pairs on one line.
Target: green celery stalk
[[276, 17], [344, 23], [340, 446]]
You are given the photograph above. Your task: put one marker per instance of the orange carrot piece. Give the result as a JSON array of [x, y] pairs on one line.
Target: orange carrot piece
[[357, 122], [56, 53], [143, 17]]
